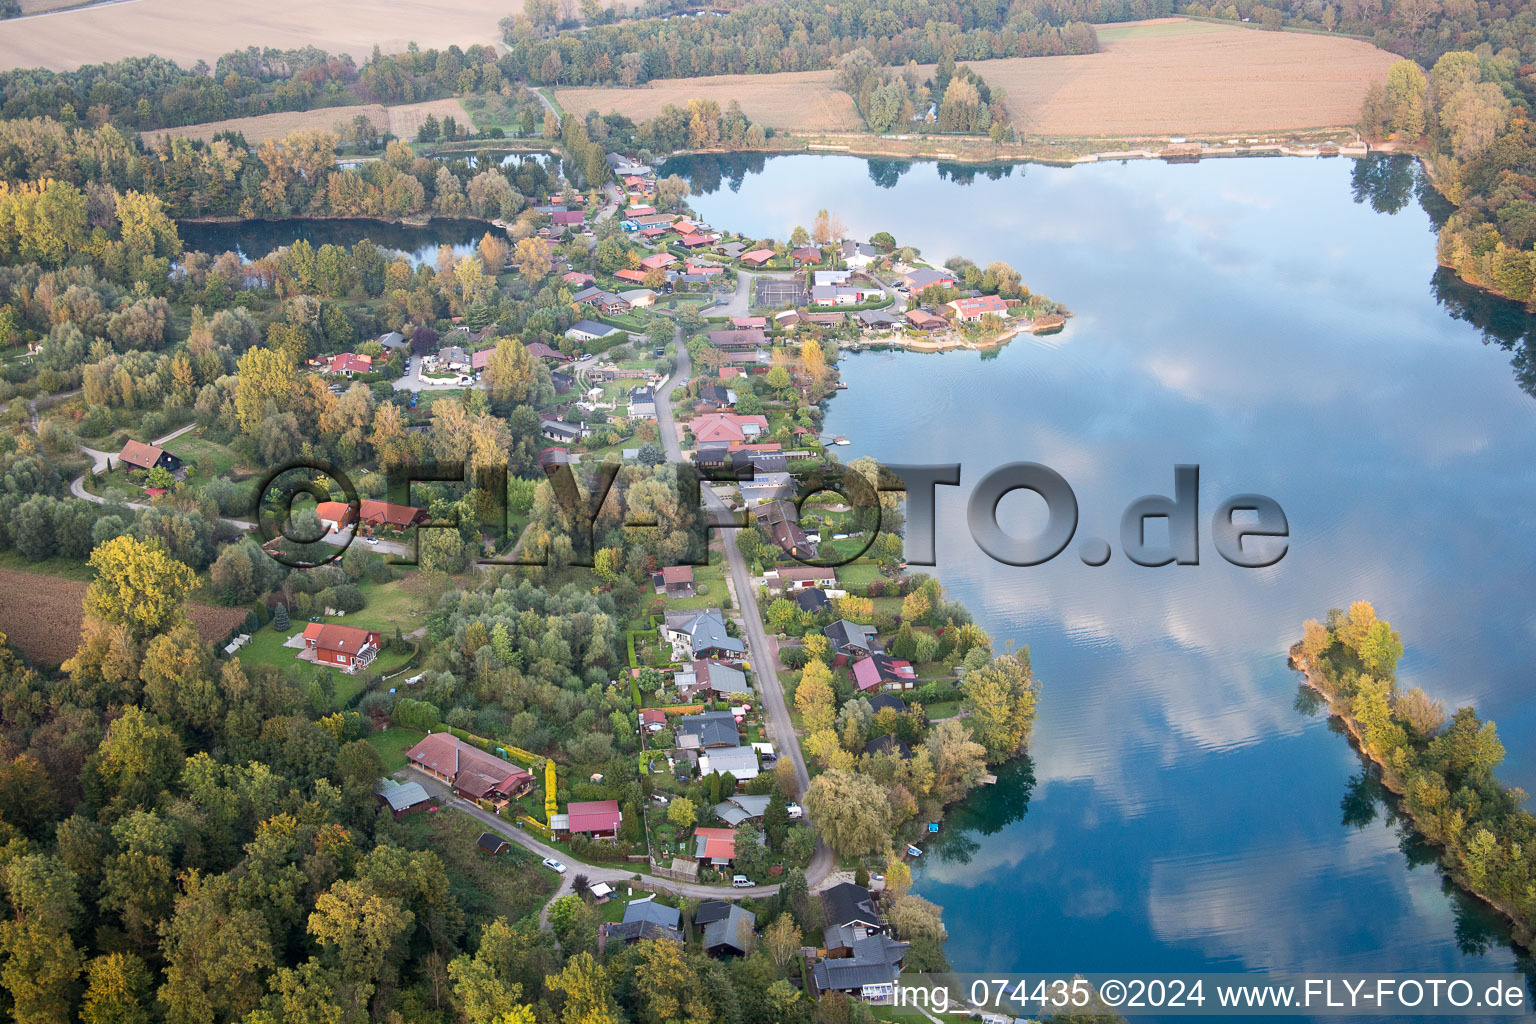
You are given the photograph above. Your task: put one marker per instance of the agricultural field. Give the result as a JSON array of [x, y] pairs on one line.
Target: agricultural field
[[1185, 77], [403, 120], [187, 31], [47, 625], [1168, 76], [797, 100]]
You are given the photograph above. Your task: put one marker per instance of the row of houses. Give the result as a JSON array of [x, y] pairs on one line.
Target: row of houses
[[371, 513]]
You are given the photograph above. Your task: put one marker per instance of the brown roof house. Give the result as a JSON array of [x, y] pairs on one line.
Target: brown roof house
[[674, 581], [471, 772], [138, 455]]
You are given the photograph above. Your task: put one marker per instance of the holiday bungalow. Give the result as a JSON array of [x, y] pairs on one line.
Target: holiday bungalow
[[376, 514], [473, 773], [919, 279], [971, 309], [801, 577], [335, 516], [757, 257], [805, 256], [674, 581], [347, 647], [138, 455], [727, 426], [345, 364], [597, 819], [738, 338], [880, 672]]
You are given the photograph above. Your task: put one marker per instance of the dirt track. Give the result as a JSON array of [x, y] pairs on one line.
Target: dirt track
[[402, 120]]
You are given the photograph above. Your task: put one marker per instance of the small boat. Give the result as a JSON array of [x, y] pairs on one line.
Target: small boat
[[913, 851]]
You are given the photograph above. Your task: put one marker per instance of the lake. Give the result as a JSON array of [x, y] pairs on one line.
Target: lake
[[1281, 324], [253, 239]]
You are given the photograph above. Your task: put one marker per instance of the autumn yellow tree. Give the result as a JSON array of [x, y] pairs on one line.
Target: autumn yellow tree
[[532, 259], [263, 375], [137, 586], [814, 697], [510, 373]]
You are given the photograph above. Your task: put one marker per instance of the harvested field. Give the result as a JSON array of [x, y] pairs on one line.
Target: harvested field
[[805, 100], [46, 626], [1165, 77], [1180, 77], [402, 120], [187, 31]]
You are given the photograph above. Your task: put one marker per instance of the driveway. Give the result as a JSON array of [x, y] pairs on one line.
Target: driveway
[[414, 381]]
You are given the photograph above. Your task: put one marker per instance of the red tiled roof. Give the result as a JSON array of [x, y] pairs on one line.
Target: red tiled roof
[[137, 453], [653, 716], [757, 256], [719, 843], [805, 253], [351, 362], [374, 511], [479, 359], [594, 816], [330, 636], [978, 306], [677, 574], [630, 275], [724, 426], [334, 512], [658, 260], [473, 771]]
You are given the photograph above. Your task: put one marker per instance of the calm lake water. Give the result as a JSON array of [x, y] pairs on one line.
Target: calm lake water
[[253, 239], [1280, 323]]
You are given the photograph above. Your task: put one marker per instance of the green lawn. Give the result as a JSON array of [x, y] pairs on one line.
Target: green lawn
[[392, 743], [942, 710], [64, 568]]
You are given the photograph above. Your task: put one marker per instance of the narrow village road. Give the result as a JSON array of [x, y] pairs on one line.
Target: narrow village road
[[614, 875], [780, 726]]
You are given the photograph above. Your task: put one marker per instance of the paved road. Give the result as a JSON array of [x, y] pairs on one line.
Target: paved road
[[780, 726]]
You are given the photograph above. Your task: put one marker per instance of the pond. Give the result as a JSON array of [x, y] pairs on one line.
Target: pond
[[253, 239], [1281, 323]]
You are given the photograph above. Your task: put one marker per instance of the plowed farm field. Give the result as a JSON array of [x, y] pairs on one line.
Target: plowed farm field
[[1165, 77], [41, 615]]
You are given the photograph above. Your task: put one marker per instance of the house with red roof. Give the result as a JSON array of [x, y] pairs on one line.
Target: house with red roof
[[658, 261], [748, 323], [637, 276], [335, 516], [805, 256], [598, 819], [727, 372], [348, 647], [568, 218], [881, 672], [375, 514], [978, 307], [726, 426], [757, 257], [640, 211], [578, 279], [138, 455], [473, 773], [653, 719], [348, 363], [717, 845], [696, 240]]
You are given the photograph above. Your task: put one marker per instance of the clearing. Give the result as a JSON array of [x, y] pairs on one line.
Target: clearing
[[1162, 77], [46, 626], [402, 120]]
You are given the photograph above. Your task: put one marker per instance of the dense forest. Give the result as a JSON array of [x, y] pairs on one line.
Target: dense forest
[[1441, 767]]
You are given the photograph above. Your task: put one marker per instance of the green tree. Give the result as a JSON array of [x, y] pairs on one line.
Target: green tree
[[118, 991], [41, 959], [851, 811], [1001, 698], [682, 812], [137, 586], [587, 991]]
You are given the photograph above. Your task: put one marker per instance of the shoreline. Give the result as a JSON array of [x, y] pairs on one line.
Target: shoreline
[[1519, 938], [1056, 152]]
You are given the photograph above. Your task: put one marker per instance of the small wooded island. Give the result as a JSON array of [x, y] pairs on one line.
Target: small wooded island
[[1441, 769]]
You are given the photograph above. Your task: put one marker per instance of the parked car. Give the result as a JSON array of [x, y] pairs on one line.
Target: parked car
[[741, 882], [554, 865], [795, 813]]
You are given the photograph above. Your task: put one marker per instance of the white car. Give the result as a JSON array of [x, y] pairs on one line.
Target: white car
[[794, 812], [370, 540], [554, 865]]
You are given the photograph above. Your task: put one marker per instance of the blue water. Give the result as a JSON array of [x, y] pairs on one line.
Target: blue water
[[1179, 811]]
